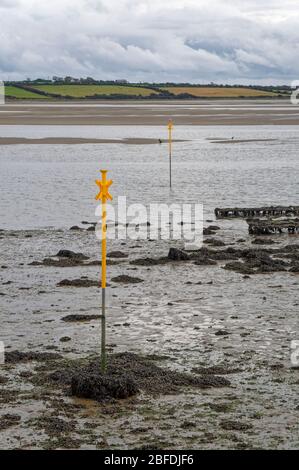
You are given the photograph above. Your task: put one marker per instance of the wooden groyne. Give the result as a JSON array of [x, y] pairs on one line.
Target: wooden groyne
[[270, 226], [247, 212]]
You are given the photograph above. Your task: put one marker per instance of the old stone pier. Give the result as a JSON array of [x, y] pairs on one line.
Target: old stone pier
[[247, 212], [271, 227]]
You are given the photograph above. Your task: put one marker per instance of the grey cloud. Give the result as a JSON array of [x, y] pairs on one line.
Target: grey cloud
[[187, 40]]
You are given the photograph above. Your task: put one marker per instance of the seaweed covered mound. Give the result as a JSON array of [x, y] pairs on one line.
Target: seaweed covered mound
[[126, 375], [99, 387]]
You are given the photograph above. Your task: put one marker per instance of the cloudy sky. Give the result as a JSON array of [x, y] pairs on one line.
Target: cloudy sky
[[231, 41]]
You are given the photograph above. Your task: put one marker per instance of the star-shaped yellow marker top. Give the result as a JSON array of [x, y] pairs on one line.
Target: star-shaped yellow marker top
[[170, 124], [104, 187]]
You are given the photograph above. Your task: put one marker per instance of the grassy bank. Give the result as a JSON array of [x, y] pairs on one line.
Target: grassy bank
[[81, 91], [20, 93], [220, 92]]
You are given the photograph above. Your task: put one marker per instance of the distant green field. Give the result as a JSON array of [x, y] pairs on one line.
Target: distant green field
[[219, 92], [81, 91], [12, 91]]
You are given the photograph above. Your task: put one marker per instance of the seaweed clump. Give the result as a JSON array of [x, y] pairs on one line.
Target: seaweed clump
[[126, 375]]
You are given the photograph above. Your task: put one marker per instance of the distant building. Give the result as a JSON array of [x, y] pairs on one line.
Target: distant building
[[121, 82], [69, 79], [88, 80]]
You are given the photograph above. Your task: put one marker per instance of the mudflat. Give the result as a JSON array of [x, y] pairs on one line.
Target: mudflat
[[151, 113], [79, 140]]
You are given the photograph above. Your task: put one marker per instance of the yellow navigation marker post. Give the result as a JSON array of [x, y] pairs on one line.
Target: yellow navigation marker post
[[104, 195], [170, 126]]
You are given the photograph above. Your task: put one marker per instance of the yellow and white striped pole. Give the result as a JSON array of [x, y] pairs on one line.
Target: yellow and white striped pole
[[103, 196], [170, 126]]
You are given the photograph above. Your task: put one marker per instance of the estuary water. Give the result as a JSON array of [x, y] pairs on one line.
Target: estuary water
[[53, 185]]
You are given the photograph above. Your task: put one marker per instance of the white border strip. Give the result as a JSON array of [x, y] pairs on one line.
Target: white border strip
[[2, 351], [2, 93]]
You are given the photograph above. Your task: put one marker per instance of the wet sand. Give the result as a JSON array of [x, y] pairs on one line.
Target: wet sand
[[184, 317], [199, 112], [235, 141], [196, 319], [127, 141], [78, 141]]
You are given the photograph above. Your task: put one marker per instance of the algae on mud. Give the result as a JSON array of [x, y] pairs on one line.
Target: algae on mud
[[236, 329], [126, 375]]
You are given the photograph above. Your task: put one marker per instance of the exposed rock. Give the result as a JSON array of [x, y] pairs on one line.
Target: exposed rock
[[71, 255], [150, 261], [207, 231], [220, 407], [239, 267], [123, 278], [205, 262], [215, 370], [263, 241], [229, 253], [144, 224], [84, 222], [69, 262], [126, 374], [8, 420], [54, 426], [177, 255], [59, 263], [214, 242], [80, 318], [100, 387], [96, 262], [221, 333], [294, 269], [13, 357], [81, 282], [229, 425], [256, 261], [117, 254], [65, 339], [263, 262], [290, 248]]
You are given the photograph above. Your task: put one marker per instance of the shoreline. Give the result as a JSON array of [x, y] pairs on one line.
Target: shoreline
[[124, 141], [79, 141], [154, 113]]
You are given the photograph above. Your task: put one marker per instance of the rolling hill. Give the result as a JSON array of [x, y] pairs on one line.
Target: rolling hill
[[218, 92], [82, 91], [15, 92]]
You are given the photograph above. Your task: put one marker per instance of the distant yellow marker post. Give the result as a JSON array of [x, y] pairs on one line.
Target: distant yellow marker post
[[170, 126], [103, 195]]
